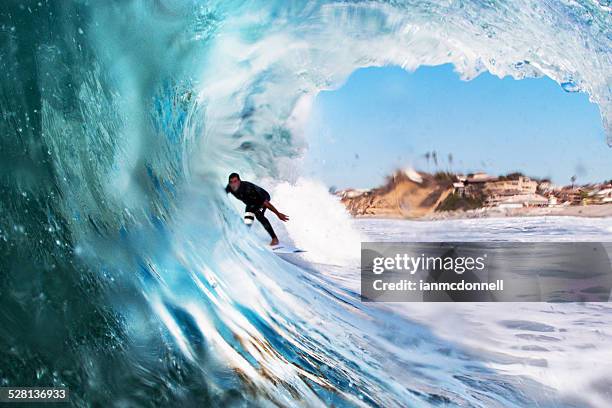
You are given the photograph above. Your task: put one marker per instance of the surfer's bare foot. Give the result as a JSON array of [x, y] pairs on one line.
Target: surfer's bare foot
[[274, 242]]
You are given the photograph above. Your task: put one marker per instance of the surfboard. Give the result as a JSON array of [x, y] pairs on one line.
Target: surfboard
[[286, 249]]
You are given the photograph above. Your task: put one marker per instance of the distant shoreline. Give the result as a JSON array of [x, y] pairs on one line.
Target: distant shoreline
[[409, 194], [586, 211]]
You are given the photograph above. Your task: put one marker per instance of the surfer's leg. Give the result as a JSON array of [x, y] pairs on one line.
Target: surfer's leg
[[259, 214], [249, 215]]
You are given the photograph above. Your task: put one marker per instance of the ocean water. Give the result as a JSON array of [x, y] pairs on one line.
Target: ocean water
[[489, 354], [126, 273], [523, 229], [561, 347]]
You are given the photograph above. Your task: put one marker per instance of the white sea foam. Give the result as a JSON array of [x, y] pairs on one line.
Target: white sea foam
[[319, 223]]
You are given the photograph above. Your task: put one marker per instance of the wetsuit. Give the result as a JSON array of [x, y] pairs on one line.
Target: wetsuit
[[254, 197]]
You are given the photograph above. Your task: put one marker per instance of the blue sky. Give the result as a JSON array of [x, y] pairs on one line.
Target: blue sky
[[385, 118]]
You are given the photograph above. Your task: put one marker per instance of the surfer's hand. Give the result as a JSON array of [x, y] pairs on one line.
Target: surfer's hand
[[282, 217]]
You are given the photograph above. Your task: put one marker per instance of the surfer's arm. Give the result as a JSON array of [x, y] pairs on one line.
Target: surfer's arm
[[267, 204]]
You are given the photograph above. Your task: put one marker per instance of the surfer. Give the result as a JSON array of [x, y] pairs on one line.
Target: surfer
[[257, 200]]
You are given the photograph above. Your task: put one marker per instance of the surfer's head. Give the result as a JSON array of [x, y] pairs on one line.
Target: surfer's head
[[234, 181]]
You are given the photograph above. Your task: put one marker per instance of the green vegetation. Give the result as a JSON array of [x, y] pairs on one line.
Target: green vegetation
[[445, 178], [511, 176], [455, 201]]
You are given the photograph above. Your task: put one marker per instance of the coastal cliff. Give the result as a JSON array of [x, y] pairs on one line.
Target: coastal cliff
[[406, 194], [444, 195]]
